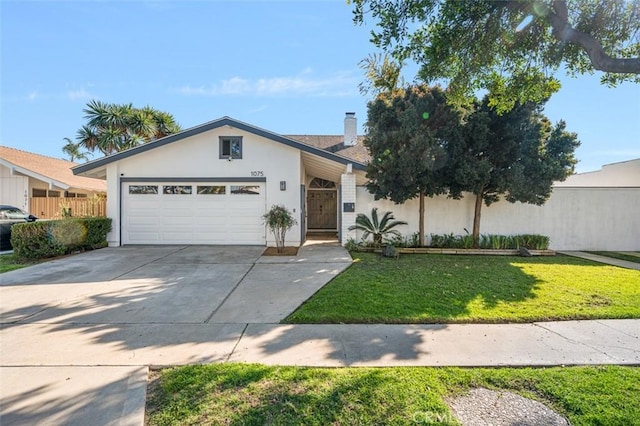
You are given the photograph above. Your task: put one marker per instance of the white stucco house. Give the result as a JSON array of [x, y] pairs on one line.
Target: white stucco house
[[28, 179], [212, 183]]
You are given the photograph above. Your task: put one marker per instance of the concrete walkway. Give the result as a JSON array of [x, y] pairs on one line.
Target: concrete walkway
[[603, 259], [75, 350]]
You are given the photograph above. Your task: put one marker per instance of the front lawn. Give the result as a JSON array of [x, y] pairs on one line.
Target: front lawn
[[8, 263], [473, 289], [241, 394]]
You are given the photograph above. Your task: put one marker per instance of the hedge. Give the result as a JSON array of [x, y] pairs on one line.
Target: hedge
[[43, 239]]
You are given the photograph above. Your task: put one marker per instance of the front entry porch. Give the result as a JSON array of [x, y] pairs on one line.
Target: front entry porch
[[322, 207]]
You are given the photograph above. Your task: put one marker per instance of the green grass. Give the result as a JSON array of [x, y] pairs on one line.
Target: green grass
[[8, 263], [617, 255], [473, 289], [241, 394]]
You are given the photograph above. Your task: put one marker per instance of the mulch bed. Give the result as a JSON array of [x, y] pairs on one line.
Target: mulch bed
[[287, 251]]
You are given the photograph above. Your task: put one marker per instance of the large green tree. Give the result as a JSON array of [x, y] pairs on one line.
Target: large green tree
[[115, 127], [517, 155], [407, 135], [509, 47]]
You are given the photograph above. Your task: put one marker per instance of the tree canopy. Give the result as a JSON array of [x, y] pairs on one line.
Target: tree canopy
[[115, 127], [509, 47], [517, 155], [420, 145], [407, 135]]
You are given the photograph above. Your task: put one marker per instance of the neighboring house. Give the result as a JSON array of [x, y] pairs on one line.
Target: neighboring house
[[27, 178], [625, 174], [212, 183]]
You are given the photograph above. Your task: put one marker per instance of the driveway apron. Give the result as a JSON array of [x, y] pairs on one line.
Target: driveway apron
[[77, 334]]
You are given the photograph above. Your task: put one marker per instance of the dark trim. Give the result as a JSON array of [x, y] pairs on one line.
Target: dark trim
[[224, 121], [119, 194], [303, 212], [339, 213], [193, 179]]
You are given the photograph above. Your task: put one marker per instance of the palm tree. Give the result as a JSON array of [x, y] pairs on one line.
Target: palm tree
[[73, 151], [113, 127], [378, 228]]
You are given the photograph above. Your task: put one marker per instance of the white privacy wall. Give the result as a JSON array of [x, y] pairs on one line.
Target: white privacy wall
[[574, 218]]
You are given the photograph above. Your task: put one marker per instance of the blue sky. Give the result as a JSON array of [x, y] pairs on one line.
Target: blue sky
[[288, 66]]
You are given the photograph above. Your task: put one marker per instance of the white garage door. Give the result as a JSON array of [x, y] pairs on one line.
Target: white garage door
[[193, 213]]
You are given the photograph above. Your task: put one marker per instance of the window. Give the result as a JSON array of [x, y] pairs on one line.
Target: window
[[53, 194], [143, 189], [177, 189], [212, 189], [230, 147], [38, 192], [245, 189], [318, 183]]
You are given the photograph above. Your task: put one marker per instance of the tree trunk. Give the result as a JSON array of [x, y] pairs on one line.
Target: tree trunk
[[421, 220], [476, 220]]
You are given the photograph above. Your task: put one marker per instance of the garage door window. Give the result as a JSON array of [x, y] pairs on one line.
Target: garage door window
[[212, 189], [245, 189], [177, 189], [143, 189]]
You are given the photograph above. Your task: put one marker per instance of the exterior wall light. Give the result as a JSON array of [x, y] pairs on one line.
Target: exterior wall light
[[283, 185]]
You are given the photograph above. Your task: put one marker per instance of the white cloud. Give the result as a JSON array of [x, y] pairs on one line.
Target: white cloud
[[235, 86], [304, 84], [259, 109], [33, 95], [78, 95]]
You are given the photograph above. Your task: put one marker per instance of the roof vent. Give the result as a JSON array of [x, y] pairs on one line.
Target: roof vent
[[350, 129]]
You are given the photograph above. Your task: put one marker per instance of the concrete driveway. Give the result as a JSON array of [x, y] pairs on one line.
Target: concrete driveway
[[78, 333]]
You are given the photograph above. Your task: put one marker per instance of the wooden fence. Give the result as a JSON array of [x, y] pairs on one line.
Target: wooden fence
[[52, 207]]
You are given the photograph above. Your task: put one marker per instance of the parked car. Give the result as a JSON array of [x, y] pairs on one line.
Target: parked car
[[9, 216]]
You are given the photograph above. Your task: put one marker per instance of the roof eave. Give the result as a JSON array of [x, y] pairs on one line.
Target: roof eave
[[211, 125], [27, 172]]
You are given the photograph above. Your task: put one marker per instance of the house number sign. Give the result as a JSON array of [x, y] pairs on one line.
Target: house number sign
[[257, 173]]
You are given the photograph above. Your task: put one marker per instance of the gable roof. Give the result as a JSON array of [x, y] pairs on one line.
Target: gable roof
[[335, 144], [54, 171], [211, 125]]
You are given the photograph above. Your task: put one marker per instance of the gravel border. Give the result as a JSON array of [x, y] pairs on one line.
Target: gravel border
[[484, 407]]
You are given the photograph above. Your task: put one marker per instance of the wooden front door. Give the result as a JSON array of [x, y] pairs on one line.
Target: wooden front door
[[322, 210]]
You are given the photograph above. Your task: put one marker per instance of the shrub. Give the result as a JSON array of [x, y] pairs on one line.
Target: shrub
[[378, 228], [97, 230], [491, 241], [43, 239], [534, 242], [34, 241], [279, 220], [352, 245]]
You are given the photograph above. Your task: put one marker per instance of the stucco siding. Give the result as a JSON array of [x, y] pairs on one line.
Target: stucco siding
[[14, 189], [198, 157], [574, 218]]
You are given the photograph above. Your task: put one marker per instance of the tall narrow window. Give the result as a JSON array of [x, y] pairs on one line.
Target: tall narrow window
[[230, 147]]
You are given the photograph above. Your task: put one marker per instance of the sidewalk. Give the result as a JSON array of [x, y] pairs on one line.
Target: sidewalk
[[78, 382], [603, 259]]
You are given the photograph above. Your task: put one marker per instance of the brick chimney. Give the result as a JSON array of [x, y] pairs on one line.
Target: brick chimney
[[350, 129]]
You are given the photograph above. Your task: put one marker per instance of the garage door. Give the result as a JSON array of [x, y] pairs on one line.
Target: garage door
[[193, 213]]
